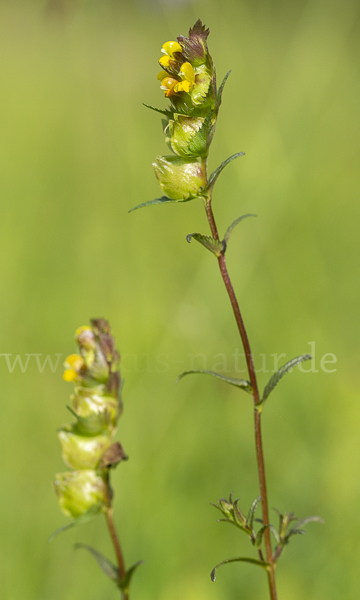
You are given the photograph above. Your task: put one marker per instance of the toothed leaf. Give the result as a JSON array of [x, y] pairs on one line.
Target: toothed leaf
[[162, 200], [167, 113], [253, 561], [221, 89], [215, 246], [236, 523], [105, 565], [259, 536], [306, 520], [124, 583], [233, 225], [215, 174], [251, 515], [280, 373], [261, 532], [82, 520], [240, 383]]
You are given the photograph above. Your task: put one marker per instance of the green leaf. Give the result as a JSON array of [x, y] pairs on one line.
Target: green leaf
[[221, 89], [280, 373], [253, 561], [240, 383], [239, 516], [233, 225], [162, 200], [261, 532], [105, 565], [215, 174], [124, 583], [259, 536], [167, 113], [251, 515], [215, 246], [306, 520], [236, 523], [82, 520], [301, 523]]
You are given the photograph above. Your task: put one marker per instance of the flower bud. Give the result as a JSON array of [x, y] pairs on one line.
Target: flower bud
[[81, 451], [180, 179], [80, 492], [85, 337]]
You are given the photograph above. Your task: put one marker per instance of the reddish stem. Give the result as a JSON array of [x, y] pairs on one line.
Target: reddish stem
[[256, 398]]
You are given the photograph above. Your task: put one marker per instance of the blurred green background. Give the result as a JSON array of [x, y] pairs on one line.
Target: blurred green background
[[76, 151]]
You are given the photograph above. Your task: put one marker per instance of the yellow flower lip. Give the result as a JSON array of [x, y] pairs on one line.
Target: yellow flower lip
[[74, 361], [73, 364], [170, 47], [81, 329], [169, 84], [165, 61], [69, 375], [187, 73], [162, 75]]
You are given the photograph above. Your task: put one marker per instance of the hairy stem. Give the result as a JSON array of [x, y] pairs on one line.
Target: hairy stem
[[256, 398], [117, 548]]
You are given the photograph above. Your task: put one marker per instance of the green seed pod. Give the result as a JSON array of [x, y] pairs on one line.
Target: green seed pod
[[81, 451], [80, 492], [180, 179]]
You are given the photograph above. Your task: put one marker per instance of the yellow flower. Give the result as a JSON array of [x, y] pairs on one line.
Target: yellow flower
[[169, 84], [73, 364], [169, 48], [188, 78]]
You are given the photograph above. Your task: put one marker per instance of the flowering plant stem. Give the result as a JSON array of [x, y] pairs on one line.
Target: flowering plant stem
[[256, 397], [118, 552], [188, 79]]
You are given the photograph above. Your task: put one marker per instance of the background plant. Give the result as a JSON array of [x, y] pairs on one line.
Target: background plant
[[87, 443], [72, 119]]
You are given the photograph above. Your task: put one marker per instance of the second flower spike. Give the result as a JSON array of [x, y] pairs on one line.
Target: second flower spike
[[88, 443]]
